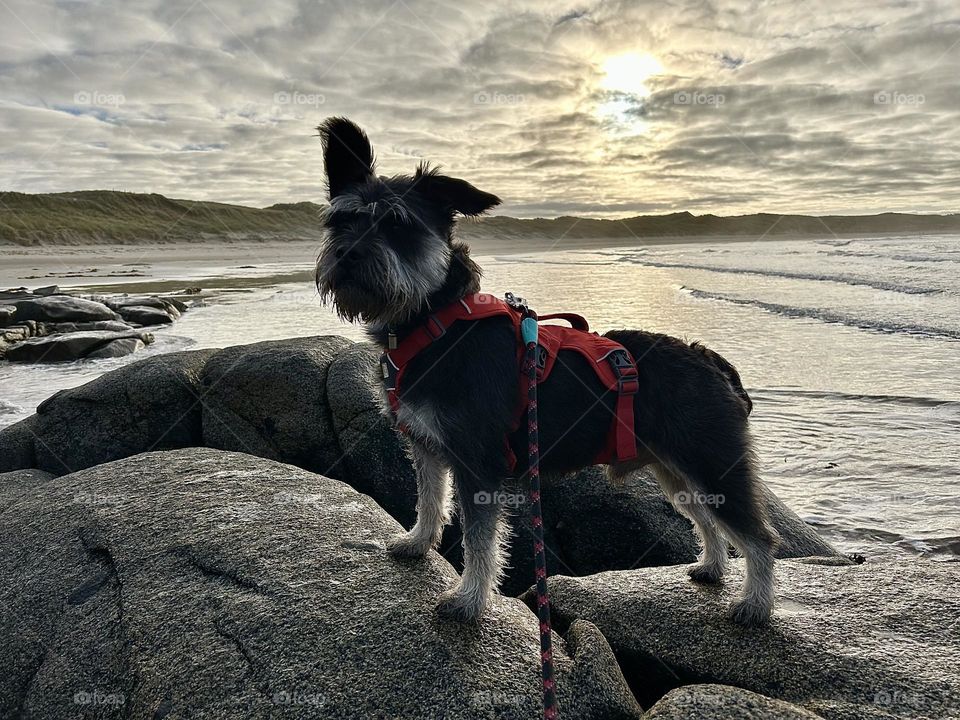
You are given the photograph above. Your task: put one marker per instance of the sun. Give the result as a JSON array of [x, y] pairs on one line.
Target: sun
[[628, 73]]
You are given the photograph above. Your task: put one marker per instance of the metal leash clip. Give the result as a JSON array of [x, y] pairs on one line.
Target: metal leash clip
[[517, 303]]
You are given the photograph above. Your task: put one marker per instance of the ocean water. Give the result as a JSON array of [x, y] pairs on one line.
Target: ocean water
[[849, 349]]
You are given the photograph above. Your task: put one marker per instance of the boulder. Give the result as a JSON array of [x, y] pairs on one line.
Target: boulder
[[143, 315], [62, 308], [151, 404], [11, 295], [46, 312], [17, 445], [637, 524], [847, 642], [170, 305], [375, 459], [73, 346], [723, 702], [67, 327], [197, 583], [270, 399], [13, 485]]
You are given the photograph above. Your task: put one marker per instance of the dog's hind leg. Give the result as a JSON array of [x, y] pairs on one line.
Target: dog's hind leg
[[712, 562], [733, 501], [755, 603], [484, 545], [433, 506]]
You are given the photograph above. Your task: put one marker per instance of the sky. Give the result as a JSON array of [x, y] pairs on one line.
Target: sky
[[602, 109]]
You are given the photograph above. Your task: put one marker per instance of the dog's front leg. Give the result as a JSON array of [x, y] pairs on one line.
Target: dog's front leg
[[483, 557], [433, 506]]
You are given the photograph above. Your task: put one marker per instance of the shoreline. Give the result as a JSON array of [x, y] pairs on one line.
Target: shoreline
[[166, 267]]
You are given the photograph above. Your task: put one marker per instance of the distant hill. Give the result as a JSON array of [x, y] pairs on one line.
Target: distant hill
[[110, 217], [687, 225]]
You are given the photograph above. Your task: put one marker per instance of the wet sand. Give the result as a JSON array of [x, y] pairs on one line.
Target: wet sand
[[174, 266], [163, 268]]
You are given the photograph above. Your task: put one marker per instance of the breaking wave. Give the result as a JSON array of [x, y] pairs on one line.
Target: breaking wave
[[832, 316]]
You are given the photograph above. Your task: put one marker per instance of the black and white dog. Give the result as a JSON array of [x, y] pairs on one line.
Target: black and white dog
[[390, 260]]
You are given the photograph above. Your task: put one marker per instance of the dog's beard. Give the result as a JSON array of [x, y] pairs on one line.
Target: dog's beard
[[383, 287]]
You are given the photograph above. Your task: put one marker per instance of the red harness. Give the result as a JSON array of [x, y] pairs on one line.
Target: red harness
[[611, 361]]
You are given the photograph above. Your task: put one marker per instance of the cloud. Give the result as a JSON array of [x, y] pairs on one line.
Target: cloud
[[813, 107]]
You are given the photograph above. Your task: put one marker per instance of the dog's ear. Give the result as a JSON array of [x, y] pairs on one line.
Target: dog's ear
[[347, 154], [453, 193]]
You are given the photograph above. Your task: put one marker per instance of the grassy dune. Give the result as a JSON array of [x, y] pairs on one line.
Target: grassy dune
[[687, 225], [103, 216], [110, 217]]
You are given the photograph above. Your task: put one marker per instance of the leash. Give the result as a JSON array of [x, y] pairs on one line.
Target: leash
[[528, 330]]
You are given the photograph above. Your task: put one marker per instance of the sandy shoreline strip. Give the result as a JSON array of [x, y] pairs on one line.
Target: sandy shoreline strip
[[144, 266], [158, 268]]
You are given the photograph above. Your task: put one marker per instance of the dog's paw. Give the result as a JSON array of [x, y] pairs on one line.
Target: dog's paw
[[706, 574], [407, 545], [459, 607], [748, 613]]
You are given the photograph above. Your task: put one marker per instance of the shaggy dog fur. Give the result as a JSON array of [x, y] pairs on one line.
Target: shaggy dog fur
[[390, 259]]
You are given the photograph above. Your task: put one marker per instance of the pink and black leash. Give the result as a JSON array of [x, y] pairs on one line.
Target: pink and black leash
[[528, 330]]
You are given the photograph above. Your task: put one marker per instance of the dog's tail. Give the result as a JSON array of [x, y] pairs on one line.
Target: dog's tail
[[728, 370]]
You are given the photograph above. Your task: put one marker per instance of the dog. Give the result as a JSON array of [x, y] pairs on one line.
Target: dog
[[389, 260]]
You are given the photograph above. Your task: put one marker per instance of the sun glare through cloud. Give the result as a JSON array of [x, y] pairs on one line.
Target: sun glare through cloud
[[624, 86], [629, 73]]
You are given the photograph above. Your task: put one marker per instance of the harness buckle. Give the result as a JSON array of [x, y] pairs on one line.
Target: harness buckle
[[628, 379], [389, 372]]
